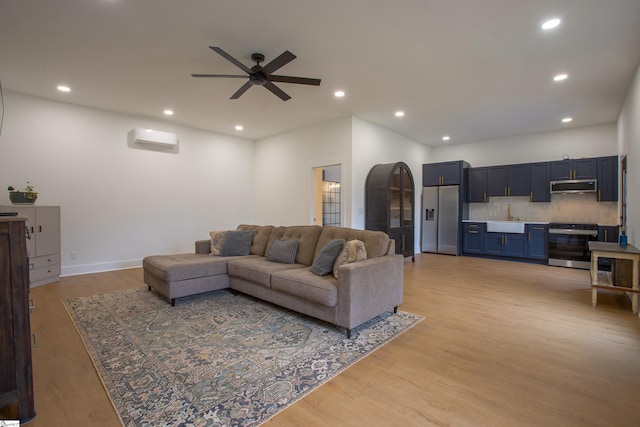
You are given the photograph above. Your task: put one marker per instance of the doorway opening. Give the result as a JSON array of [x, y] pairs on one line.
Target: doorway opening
[[328, 195]]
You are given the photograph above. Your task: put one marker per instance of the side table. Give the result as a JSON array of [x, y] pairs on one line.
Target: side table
[[600, 280]]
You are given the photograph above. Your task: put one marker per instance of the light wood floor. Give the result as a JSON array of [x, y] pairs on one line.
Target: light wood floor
[[502, 344]]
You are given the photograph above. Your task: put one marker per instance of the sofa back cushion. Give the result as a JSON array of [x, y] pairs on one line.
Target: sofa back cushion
[[375, 242], [307, 237], [261, 234]]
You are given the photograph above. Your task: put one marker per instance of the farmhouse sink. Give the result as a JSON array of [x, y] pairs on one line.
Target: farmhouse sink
[[505, 226]]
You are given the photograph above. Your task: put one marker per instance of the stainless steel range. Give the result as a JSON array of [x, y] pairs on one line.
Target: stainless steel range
[[569, 244]]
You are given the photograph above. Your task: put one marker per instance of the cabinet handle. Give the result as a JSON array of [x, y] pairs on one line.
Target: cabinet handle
[[39, 229], [538, 228], [599, 195], [529, 238], [484, 198], [34, 340], [505, 240], [32, 230], [605, 235], [32, 304], [472, 232], [531, 197], [508, 191]]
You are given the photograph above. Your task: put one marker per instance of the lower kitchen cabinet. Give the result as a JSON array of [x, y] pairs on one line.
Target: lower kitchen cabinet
[[505, 244], [473, 238], [538, 238], [530, 245]]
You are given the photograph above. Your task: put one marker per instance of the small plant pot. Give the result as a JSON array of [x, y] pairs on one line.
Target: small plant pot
[[22, 197]]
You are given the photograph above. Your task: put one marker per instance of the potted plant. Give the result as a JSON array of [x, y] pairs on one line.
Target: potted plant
[[26, 197]]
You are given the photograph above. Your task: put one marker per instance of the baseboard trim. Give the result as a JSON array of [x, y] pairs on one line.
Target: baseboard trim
[[76, 270]]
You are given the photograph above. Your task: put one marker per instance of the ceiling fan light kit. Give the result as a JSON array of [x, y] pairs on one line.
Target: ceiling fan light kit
[[262, 76]]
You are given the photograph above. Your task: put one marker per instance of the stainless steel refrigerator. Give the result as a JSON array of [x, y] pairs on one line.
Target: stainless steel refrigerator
[[441, 216]]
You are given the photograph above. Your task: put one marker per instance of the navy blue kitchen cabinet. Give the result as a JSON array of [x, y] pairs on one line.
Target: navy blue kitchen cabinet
[[445, 173], [574, 169], [477, 185], [539, 182], [505, 244], [607, 179], [508, 180], [538, 238], [473, 238]]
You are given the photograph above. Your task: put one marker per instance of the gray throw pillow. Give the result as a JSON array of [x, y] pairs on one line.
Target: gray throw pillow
[[238, 242], [323, 264], [283, 251]]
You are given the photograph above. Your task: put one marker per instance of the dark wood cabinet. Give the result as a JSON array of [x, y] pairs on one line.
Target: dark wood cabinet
[[16, 381], [389, 204], [539, 182], [445, 173], [477, 185], [607, 179], [473, 238], [573, 169]]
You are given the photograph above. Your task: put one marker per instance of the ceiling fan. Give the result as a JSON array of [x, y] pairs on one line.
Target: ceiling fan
[[262, 76]]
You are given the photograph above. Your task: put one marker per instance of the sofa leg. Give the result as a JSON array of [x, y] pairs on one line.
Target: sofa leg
[[173, 302], [233, 292], [348, 333], [395, 309], [149, 287]]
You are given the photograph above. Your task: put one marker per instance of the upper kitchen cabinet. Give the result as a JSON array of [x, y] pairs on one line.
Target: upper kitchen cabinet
[[539, 182], [607, 179], [477, 185], [445, 173], [562, 170], [510, 180]]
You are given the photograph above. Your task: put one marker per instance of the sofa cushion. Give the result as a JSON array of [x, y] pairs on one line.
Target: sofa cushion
[[283, 251], [173, 268], [323, 264], [257, 269], [376, 242], [307, 237], [302, 283], [261, 234], [237, 243], [353, 251], [217, 240]]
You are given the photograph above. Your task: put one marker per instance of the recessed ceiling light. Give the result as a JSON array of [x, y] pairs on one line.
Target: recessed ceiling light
[[399, 113], [63, 88], [446, 138], [239, 127], [338, 93], [560, 77], [550, 24], [567, 120], [168, 112]]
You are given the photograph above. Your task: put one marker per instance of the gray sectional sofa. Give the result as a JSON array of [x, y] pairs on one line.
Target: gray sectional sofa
[[362, 290]]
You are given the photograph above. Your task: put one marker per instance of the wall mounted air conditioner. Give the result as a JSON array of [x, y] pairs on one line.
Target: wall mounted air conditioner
[[153, 138]]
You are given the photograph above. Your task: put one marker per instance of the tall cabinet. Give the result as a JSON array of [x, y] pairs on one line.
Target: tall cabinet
[[43, 241], [16, 378], [389, 204]]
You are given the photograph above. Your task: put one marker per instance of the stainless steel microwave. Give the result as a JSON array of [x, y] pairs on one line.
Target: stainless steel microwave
[[574, 186]]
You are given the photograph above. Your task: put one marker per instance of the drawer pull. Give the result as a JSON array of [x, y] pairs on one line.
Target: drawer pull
[[34, 340]]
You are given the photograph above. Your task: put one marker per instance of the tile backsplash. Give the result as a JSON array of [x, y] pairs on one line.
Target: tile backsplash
[[573, 208]]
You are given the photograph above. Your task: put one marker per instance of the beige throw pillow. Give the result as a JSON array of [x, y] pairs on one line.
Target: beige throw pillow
[[217, 241], [352, 251]]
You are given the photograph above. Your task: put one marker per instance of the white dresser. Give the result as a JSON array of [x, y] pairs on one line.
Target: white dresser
[[43, 241]]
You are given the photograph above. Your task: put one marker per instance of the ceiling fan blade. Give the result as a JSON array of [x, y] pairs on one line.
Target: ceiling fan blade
[[298, 80], [277, 91], [280, 61], [219, 75], [242, 90], [231, 59]]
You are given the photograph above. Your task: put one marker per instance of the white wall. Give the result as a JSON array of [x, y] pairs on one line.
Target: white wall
[[373, 144], [284, 181], [629, 145], [118, 203], [588, 141]]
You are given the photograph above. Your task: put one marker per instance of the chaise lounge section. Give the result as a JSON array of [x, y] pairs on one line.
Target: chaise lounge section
[[361, 291]]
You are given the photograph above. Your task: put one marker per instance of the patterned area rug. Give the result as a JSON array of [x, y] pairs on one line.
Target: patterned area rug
[[215, 359]]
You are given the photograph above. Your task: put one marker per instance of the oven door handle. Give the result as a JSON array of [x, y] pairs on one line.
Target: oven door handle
[[573, 232]]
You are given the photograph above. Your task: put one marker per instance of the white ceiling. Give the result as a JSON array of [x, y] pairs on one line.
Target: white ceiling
[[471, 69]]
